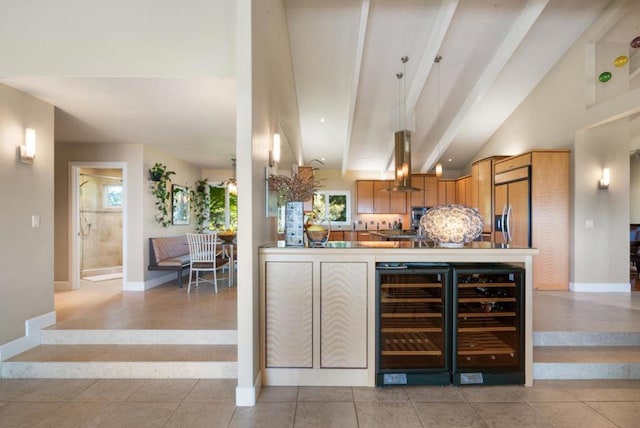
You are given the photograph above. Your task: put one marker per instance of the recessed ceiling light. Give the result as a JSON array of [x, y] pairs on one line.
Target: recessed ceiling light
[[322, 119], [449, 160]]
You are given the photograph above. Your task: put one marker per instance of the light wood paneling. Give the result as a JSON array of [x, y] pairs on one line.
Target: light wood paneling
[[343, 313], [364, 196], [289, 314]]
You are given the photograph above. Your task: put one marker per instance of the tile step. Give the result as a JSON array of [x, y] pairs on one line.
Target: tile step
[[586, 362], [124, 361], [138, 337], [585, 338]]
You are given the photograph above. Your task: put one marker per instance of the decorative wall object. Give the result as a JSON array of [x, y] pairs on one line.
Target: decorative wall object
[[604, 77], [180, 205], [160, 178], [621, 61]]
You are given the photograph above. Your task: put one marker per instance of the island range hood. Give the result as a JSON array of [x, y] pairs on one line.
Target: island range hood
[[402, 140], [402, 179]]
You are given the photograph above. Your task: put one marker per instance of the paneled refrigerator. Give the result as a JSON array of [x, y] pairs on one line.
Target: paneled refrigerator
[[513, 208]]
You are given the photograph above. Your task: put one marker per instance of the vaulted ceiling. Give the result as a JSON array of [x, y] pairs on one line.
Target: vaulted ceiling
[[156, 88]]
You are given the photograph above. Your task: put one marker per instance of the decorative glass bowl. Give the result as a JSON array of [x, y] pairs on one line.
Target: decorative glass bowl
[[318, 232], [227, 236], [452, 225]]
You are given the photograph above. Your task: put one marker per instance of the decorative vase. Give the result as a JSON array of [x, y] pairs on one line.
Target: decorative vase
[[318, 231], [294, 224]]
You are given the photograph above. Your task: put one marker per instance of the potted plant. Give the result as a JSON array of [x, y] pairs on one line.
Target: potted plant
[[292, 191], [160, 178], [200, 199]]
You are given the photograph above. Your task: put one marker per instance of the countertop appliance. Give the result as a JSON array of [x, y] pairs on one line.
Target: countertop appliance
[[416, 215]]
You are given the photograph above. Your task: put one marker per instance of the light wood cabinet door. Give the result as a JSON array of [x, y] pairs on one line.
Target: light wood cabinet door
[[446, 192], [485, 190], [397, 201], [289, 314], [380, 197], [416, 199], [430, 190], [364, 196], [463, 190], [343, 315]]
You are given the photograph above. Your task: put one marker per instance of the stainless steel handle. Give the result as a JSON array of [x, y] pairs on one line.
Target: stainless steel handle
[[504, 233], [509, 224]]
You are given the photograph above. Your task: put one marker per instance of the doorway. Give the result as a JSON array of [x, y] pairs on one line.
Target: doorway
[[98, 223]]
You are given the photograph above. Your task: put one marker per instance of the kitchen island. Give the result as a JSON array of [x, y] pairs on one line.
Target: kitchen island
[[318, 306]]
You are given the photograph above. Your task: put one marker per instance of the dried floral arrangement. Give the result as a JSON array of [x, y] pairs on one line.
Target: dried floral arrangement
[[292, 188]]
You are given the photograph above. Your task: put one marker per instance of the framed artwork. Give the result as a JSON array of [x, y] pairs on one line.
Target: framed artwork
[[180, 204]]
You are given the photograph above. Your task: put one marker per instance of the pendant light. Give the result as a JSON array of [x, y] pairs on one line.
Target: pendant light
[[437, 60], [402, 140]]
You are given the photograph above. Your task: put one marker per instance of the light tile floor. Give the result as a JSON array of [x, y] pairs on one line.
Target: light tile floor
[[194, 403], [210, 403]]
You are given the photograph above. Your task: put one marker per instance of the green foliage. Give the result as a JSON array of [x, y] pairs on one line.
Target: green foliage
[[200, 199], [160, 177]]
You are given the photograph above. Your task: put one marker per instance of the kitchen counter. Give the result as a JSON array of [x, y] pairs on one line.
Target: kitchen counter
[[317, 306]]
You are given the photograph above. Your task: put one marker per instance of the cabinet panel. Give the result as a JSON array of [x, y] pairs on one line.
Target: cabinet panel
[[289, 314], [430, 190], [397, 202], [416, 199], [380, 197], [343, 315], [336, 235], [364, 196]]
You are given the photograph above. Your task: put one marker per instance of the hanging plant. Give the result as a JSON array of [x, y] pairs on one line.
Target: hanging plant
[[200, 200], [160, 177]]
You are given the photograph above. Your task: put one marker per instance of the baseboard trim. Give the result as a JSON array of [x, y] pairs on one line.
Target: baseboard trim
[[247, 397], [62, 285], [594, 287], [32, 336]]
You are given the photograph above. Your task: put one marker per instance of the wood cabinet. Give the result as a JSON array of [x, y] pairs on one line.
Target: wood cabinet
[[427, 196], [545, 173], [463, 191], [371, 198], [315, 318], [482, 190], [336, 235], [446, 192]]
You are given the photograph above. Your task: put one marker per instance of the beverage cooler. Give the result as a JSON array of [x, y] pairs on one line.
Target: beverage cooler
[[488, 323], [413, 324], [441, 323]]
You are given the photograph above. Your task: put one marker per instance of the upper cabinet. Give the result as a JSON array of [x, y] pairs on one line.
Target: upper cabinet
[[446, 192], [372, 198], [427, 196]]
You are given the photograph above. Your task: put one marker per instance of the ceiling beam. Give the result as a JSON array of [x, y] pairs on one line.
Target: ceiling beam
[[523, 24], [355, 81]]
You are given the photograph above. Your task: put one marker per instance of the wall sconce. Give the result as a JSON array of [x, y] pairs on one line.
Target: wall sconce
[[274, 153], [28, 150], [438, 170], [604, 181]]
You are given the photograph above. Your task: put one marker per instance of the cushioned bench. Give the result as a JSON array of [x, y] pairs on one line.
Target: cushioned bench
[[169, 253]]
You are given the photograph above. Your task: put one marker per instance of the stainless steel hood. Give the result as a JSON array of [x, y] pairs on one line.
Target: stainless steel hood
[[402, 182]]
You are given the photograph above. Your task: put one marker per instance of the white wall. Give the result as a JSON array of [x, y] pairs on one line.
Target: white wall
[[550, 117], [26, 264], [266, 100]]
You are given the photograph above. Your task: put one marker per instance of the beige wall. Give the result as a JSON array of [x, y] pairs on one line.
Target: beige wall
[[139, 209], [26, 265]]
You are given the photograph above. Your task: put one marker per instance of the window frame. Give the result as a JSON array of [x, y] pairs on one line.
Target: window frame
[[327, 194]]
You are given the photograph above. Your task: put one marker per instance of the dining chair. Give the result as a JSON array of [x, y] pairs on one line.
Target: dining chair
[[205, 257]]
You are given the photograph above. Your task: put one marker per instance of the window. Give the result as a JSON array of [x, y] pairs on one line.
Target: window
[[112, 196], [334, 205], [223, 211]]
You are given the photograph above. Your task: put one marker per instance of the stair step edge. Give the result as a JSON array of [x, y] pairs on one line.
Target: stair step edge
[[139, 337], [114, 370], [585, 371], [584, 338]]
